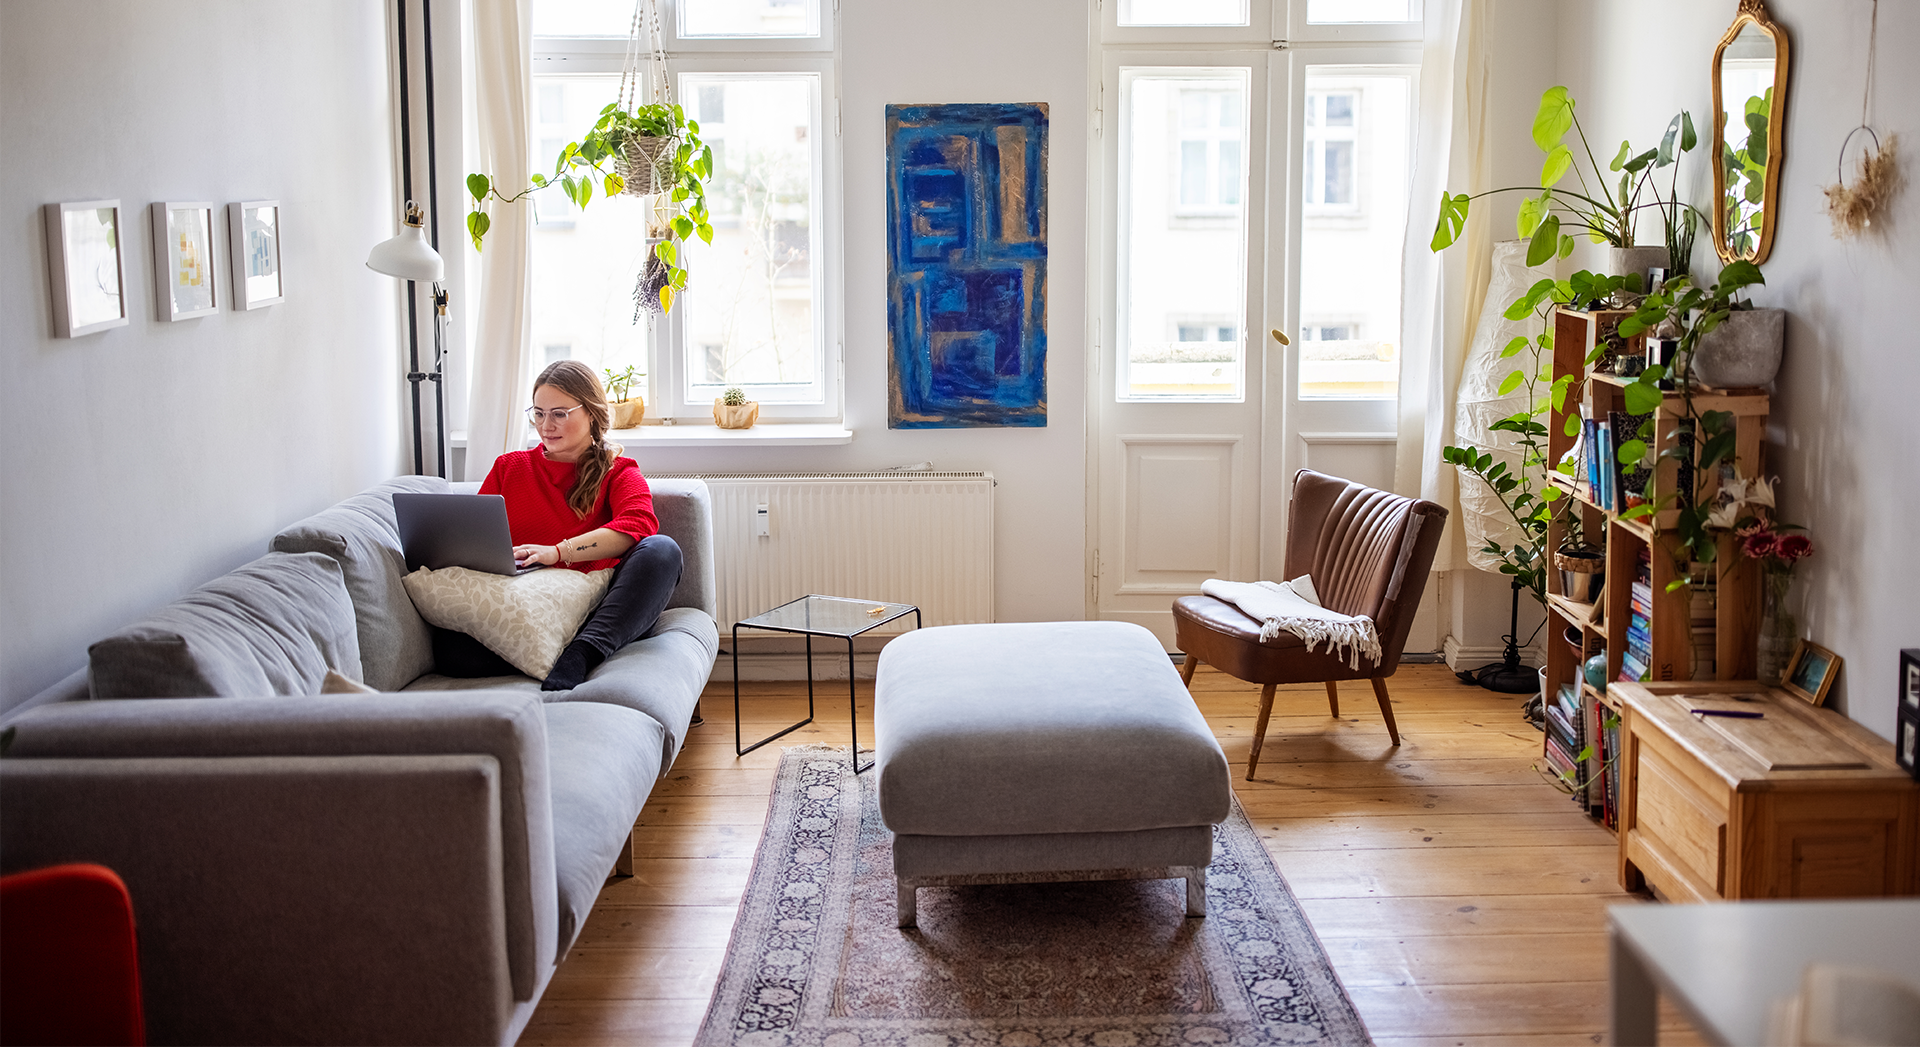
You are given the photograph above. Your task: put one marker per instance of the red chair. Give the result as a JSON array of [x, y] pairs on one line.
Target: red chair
[[69, 966]]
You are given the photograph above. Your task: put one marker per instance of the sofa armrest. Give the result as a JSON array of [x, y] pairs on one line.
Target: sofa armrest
[[284, 899], [507, 726]]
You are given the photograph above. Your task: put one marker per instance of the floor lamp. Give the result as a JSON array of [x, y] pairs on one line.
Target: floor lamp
[[409, 257]]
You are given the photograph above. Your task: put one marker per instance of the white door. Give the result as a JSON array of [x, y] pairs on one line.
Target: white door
[[1243, 192]]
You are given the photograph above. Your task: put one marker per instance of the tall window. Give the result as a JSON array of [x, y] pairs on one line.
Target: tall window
[[757, 76], [1330, 147], [1211, 130]]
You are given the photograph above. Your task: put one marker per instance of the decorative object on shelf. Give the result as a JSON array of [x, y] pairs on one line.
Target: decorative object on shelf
[[86, 270], [1640, 259], [253, 235], [1776, 553], [1583, 570], [734, 411], [1604, 219], [1749, 73], [966, 296], [626, 408], [1743, 352], [1811, 672], [1852, 207], [1906, 738], [410, 257], [1595, 671], [183, 280], [656, 154]]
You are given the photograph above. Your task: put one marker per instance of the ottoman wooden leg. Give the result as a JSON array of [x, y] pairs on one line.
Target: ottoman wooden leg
[[1386, 710], [1333, 698], [1186, 670], [1260, 729], [906, 905]]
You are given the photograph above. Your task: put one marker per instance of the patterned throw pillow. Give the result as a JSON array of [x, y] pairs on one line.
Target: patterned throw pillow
[[527, 619]]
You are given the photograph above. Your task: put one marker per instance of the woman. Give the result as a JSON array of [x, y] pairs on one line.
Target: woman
[[574, 502]]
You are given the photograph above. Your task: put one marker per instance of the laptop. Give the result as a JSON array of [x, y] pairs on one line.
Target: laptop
[[456, 530]]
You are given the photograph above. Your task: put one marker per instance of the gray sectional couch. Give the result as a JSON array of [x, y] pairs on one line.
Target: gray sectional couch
[[403, 867]]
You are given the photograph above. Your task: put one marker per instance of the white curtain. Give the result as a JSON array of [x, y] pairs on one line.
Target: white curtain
[[1441, 293], [503, 58]]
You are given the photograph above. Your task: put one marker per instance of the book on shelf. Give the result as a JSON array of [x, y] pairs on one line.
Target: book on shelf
[[1610, 738], [1632, 668], [1562, 763], [1591, 440], [1594, 715], [1568, 698], [1605, 490], [1561, 729]]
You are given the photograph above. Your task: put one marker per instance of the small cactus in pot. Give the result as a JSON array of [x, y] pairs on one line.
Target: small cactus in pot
[[732, 410]]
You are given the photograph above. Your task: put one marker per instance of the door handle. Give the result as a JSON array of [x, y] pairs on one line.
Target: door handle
[[1281, 338]]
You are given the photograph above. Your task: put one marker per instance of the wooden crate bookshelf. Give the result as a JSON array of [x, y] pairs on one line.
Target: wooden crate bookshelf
[[1670, 615]]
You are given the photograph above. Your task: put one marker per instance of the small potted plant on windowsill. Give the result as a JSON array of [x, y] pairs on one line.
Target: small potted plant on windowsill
[[734, 411], [626, 408]]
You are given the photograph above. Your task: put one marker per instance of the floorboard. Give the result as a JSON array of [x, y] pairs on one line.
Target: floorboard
[[1460, 896]]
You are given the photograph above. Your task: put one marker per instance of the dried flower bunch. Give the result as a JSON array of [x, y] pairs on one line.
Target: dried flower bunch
[[1851, 207]]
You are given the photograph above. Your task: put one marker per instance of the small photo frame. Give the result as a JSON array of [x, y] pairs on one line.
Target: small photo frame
[[1910, 680], [183, 282], [86, 268], [1811, 672], [1905, 744], [253, 232]]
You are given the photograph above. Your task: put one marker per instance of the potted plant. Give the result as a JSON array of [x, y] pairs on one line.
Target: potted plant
[[733, 410], [1605, 214], [626, 408], [655, 151]]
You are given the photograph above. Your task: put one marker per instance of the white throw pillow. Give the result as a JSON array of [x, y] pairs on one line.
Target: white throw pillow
[[334, 683], [527, 619]]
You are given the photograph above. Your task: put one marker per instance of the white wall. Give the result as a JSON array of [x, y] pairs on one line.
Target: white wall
[[147, 459], [1842, 436], [920, 51]]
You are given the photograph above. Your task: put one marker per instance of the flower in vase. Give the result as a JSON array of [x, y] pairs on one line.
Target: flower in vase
[[1760, 491], [1757, 541], [1723, 517], [1792, 548]]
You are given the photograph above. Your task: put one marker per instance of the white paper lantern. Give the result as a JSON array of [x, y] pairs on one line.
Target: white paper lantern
[[1480, 404]]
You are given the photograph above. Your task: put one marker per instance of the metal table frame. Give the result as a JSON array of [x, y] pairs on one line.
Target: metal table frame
[[852, 702]]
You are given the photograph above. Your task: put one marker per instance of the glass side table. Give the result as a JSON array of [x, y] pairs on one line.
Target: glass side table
[[812, 616]]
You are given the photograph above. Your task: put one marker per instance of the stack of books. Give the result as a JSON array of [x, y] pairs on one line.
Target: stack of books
[[1639, 652], [1566, 737], [1610, 766]]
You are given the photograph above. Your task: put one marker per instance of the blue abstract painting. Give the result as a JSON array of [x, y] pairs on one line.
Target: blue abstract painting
[[967, 265]]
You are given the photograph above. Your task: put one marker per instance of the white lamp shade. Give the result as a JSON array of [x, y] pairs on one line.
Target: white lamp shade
[[408, 256]]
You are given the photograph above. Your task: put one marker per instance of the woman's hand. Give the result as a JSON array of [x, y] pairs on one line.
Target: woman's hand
[[532, 554]]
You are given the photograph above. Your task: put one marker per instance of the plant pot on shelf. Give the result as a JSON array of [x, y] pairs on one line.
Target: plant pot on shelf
[[1743, 352], [1624, 260], [627, 413], [735, 416], [1582, 572]]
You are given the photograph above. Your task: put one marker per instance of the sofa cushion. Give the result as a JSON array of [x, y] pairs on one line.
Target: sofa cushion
[[684, 508], [527, 619], [360, 533], [661, 674], [272, 627], [603, 761]]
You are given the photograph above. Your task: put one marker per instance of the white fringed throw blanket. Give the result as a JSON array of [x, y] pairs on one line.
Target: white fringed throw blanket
[[1294, 607]]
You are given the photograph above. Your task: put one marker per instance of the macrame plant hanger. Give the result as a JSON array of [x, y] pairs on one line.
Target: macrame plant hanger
[[1851, 207], [647, 163]]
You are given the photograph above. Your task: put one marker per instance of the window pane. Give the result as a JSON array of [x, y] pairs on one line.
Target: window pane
[[1350, 245], [583, 18], [1183, 234], [1363, 10], [754, 292], [749, 18], [584, 263], [1183, 12]]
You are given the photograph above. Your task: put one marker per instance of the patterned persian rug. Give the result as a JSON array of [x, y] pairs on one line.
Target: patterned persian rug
[[817, 961]]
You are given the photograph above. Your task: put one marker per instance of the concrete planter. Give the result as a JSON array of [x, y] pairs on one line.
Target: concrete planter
[[1743, 352], [1624, 260]]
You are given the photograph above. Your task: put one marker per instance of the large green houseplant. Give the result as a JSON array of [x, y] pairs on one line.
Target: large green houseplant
[[653, 149]]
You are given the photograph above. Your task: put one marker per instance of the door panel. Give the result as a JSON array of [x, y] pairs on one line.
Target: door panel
[[1181, 519]]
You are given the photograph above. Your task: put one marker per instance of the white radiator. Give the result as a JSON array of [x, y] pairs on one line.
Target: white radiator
[[919, 538]]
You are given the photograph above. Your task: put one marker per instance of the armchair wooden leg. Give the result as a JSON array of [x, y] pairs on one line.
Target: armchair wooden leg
[[1333, 698], [1386, 709], [1186, 671], [1260, 729]]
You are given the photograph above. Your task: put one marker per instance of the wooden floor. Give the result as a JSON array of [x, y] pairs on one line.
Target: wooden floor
[[1461, 898]]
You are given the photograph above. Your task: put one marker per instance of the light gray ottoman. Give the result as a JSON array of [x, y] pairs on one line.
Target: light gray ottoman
[[1043, 751]]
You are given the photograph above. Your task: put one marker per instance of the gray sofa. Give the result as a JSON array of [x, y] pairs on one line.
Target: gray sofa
[[403, 867]]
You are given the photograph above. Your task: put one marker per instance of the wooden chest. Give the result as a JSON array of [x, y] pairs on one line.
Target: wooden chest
[[1799, 802]]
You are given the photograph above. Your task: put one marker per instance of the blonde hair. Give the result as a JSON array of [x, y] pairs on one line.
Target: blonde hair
[[578, 381]]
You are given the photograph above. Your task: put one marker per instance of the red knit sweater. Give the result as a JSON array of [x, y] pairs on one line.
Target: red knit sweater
[[538, 513]]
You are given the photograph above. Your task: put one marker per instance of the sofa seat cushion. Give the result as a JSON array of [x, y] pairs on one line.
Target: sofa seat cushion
[[361, 535], [603, 761], [272, 627], [1040, 727], [661, 674]]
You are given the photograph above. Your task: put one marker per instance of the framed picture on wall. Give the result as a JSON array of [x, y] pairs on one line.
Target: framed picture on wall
[[253, 232], [183, 238], [86, 269]]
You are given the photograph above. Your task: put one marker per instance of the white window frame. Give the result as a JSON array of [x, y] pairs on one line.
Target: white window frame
[[1313, 148], [666, 389], [1212, 136]]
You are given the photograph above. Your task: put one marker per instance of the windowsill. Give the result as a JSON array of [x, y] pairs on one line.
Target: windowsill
[[774, 434]]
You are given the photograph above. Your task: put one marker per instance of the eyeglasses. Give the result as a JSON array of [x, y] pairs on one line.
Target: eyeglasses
[[558, 414]]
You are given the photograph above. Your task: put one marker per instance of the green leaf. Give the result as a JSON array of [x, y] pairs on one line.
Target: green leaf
[[664, 251], [1453, 218], [1553, 119], [1512, 382], [586, 191], [1546, 241], [1532, 209], [477, 225], [706, 232], [1572, 428], [614, 184], [682, 226], [1637, 511], [478, 184], [1519, 343], [1620, 157], [1631, 452], [1639, 163], [1552, 494], [1641, 397], [539, 180], [1687, 138], [1566, 246], [1559, 159]]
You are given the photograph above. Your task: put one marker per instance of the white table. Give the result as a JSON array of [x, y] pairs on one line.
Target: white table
[[1725, 963]]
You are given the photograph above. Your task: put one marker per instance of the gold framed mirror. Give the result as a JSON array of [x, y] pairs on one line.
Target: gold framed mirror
[[1749, 133]]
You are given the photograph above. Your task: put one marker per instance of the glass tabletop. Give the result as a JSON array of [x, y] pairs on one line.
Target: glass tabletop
[[828, 616]]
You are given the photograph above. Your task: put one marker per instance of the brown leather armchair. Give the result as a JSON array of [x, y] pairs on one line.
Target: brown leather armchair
[[1368, 552]]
